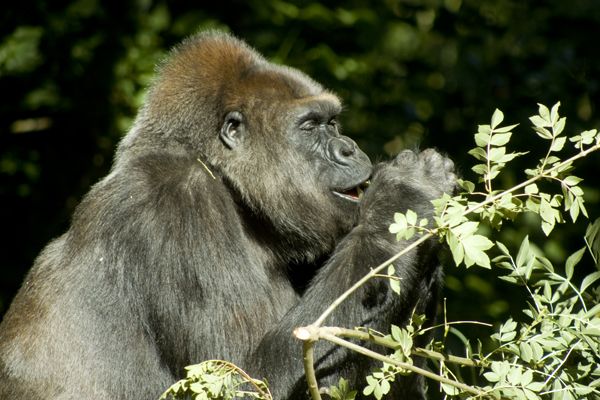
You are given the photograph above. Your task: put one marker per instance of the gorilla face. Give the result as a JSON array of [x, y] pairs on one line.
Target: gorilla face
[[341, 167]]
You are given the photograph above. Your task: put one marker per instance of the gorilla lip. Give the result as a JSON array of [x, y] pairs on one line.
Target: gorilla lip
[[354, 193]]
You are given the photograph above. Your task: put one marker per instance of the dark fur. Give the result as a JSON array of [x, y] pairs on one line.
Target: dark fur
[[166, 266]]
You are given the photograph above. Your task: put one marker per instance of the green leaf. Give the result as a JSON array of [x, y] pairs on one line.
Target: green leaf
[[547, 227], [536, 386], [544, 112], [481, 140], [377, 392], [450, 390], [558, 144], [480, 169], [554, 113], [571, 180], [456, 248], [592, 239], [572, 261], [505, 129], [589, 280], [478, 153], [546, 211], [537, 351], [391, 270], [385, 387], [496, 153], [411, 217], [542, 132], [524, 253], [531, 189], [466, 185], [538, 122], [526, 351], [396, 333], [474, 250], [371, 383], [395, 285], [559, 126], [465, 229], [500, 139], [502, 248], [497, 118], [510, 156], [197, 387], [491, 376]]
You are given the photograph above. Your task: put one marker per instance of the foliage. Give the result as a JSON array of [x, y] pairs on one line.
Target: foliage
[[554, 352], [216, 379]]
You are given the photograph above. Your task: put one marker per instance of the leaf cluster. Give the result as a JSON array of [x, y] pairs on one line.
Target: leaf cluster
[[216, 379], [555, 352]]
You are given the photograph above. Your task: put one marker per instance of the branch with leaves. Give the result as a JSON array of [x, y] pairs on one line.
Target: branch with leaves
[[527, 363]]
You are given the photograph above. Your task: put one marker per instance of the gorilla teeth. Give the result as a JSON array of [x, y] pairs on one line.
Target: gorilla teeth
[[362, 187], [360, 191], [355, 193]]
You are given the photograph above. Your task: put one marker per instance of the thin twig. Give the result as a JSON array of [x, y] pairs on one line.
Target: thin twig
[[206, 168], [409, 367], [391, 344]]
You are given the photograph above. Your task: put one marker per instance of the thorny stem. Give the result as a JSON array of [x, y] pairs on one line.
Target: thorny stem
[[309, 370]]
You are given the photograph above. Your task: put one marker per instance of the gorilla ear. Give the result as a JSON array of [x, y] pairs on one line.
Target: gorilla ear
[[233, 129]]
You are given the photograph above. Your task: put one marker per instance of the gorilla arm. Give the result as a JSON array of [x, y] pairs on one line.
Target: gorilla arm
[[408, 182]]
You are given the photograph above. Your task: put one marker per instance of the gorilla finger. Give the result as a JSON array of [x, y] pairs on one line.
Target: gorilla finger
[[405, 157]]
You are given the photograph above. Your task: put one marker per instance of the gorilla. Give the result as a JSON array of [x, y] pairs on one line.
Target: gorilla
[[234, 212]]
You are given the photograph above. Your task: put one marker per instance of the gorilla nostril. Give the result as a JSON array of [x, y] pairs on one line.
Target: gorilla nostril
[[341, 150], [347, 151]]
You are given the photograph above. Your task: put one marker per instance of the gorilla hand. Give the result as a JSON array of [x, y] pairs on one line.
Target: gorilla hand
[[409, 181]]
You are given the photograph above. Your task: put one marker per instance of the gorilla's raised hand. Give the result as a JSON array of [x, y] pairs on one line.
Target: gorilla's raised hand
[[409, 181]]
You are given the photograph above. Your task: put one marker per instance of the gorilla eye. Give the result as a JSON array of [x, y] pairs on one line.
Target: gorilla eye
[[309, 125]]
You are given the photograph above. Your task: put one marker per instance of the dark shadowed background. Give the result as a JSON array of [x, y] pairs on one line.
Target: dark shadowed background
[[411, 73]]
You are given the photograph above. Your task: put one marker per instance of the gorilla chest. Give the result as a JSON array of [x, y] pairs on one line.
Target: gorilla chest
[[241, 312]]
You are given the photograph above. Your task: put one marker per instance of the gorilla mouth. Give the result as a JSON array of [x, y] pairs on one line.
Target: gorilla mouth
[[354, 193]]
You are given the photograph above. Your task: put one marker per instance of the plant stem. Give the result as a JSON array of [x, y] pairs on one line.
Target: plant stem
[[391, 344], [409, 367], [308, 349], [368, 276]]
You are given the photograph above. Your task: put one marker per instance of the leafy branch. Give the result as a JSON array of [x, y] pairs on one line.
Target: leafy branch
[[452, 224]]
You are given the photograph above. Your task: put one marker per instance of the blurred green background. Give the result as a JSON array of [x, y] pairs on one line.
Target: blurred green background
[[411, 72]]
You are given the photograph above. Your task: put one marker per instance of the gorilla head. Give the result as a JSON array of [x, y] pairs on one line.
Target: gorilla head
[[270, 131]]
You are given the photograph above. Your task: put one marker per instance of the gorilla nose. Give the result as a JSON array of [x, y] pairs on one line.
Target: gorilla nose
[[342, 150]]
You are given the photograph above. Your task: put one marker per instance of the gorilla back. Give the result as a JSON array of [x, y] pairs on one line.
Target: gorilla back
[[233, 171]]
